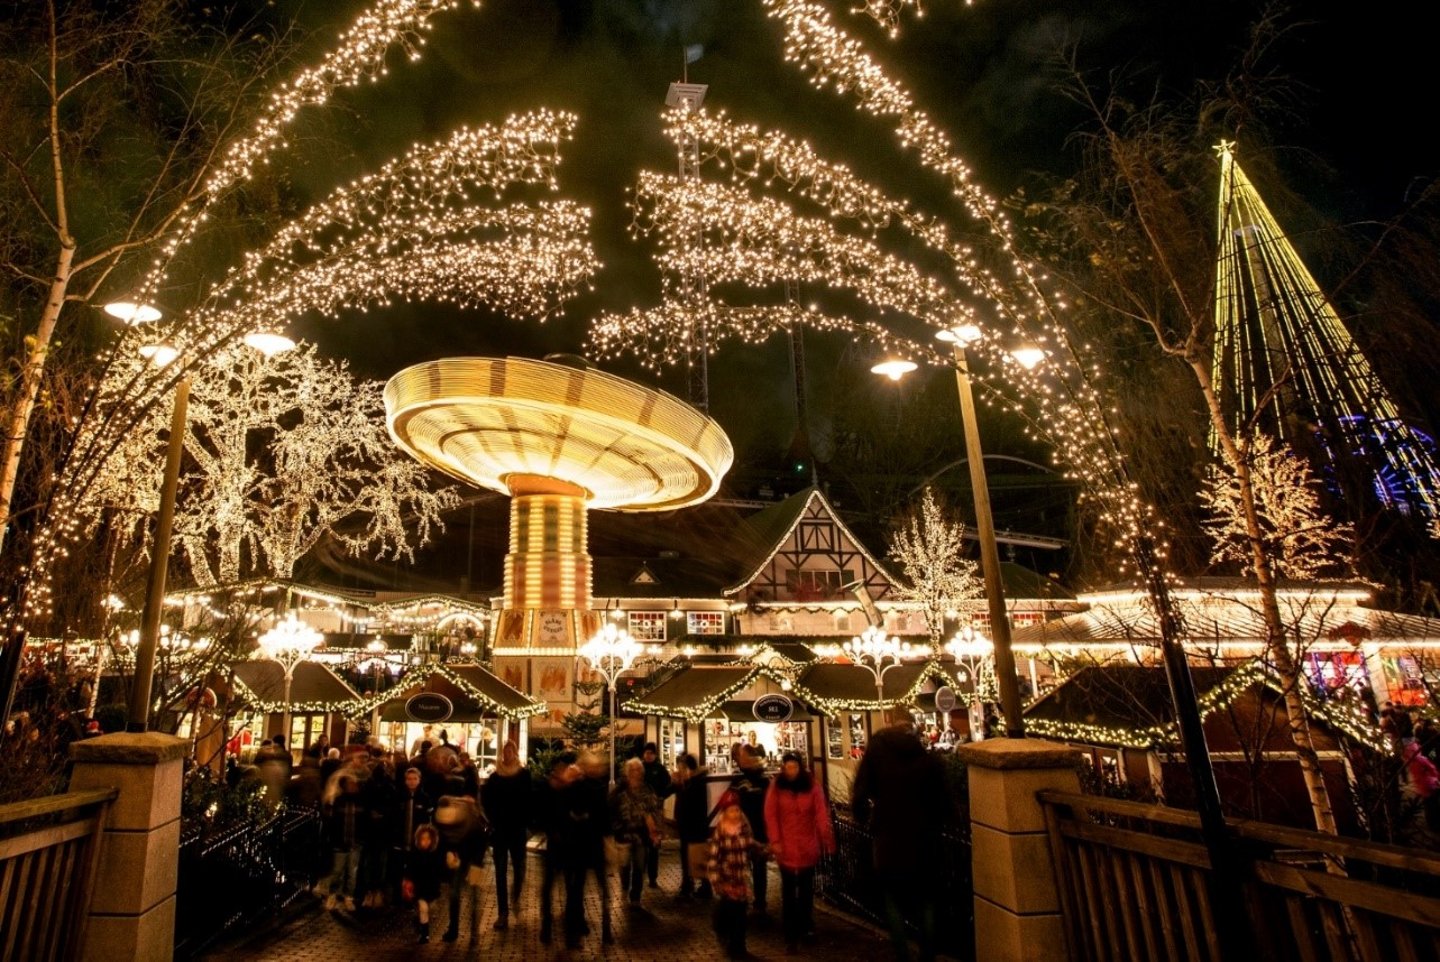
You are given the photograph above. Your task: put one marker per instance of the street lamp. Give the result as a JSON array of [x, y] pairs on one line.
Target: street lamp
[[289, 643], [611, 652], [877, 653], [160, 355], [959, 338], [970, 648]]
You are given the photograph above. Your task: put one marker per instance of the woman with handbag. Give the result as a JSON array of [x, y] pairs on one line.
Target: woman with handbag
[[634, 822], [797, 821], [692, 819]]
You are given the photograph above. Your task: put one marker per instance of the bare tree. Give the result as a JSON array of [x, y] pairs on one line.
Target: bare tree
[[1134, 235], [282, 451], [1301, 539], [930, 549]]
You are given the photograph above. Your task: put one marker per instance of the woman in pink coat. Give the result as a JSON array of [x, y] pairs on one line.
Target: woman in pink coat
[[797, 819]]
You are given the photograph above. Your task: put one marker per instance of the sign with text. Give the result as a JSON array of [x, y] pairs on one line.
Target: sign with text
[[428, 706], [773, 708], [944, 698]]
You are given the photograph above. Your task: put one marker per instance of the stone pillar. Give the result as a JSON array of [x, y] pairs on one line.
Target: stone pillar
[[132, 913], [1017, 907]]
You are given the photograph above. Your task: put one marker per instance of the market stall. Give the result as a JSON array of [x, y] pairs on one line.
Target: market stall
[[319, 701], [476, 711]]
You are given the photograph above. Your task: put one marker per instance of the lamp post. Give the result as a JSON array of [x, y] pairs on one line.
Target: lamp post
[[289, 643], [611, 651], [877, 653], [959, 338], [970, 648], [162, 355]]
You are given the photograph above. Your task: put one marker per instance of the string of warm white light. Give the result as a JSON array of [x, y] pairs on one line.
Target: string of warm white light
[[359, 56], [412, 230]]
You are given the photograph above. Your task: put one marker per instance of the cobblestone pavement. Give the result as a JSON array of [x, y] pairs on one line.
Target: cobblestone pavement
[[665, 927]]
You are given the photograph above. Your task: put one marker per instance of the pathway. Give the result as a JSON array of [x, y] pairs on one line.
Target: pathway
[[665, 927]]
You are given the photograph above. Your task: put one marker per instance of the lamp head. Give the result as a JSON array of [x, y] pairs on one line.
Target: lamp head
[[961, 334], [894, 369], [132, 313]]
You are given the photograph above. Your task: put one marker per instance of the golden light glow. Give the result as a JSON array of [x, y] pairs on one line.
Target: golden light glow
[[894, 369], [132, 313], [269, 343], [627, 447]]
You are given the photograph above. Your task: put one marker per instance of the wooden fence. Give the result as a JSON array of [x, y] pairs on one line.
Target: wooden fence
[[49, 852], [1135, 883]]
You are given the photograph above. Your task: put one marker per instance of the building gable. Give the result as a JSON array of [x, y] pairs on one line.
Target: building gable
[[815, 558]]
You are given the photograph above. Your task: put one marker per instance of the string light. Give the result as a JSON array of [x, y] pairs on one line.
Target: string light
[[359, 56], [412, 230]]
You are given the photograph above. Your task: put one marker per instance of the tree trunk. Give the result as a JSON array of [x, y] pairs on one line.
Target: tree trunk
[[1275, 635], [17, 422]]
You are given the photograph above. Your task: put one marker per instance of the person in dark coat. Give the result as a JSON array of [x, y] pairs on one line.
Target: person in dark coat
[[900, 794], [553, 806], [659, 781], [750, 784], [345, 827], [411, 808], [692, 821], [506, 797], [424, 866], [587, 823], [463, 833]]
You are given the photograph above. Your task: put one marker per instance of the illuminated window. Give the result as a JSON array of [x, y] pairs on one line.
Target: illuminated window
[[647, 625], [705, 622]]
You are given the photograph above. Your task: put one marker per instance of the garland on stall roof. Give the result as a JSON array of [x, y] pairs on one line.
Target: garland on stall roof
[[267, 706], [368, 704], [697, 714], [1215, 699], [832, 707]]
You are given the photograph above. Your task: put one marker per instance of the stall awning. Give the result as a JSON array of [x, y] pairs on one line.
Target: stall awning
[[697, 692], [835, 687], [313, 688], [474, 692]]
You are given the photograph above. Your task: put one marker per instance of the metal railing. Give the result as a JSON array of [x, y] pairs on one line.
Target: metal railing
[[243, 874], [1134, 883], [847, 879], [49, 856]]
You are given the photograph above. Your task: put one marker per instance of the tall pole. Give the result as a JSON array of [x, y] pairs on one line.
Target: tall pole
[[159, 561], [612, 680], [989, 554], [285, 715]]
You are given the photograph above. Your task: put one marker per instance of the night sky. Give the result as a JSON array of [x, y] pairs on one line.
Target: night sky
[[1358, 138]]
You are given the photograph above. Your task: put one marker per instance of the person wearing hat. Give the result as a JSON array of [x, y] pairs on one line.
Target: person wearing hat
[[732, 845], [659, 781]]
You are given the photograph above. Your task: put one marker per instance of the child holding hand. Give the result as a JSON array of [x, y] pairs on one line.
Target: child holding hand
[[731, 843]]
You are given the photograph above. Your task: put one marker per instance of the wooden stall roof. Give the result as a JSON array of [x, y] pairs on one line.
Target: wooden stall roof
[[261, 684], [474, 691]]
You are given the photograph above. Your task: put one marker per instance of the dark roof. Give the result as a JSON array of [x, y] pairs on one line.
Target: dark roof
[[795, 651], [852, 683], [311, 684], [696, 688], [1119, 696], [675, 577], [452, 682], [492, 687], [1020, 582]]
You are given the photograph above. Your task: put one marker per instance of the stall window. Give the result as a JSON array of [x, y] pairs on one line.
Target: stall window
[[706, 622], [647, 625], [834, 739], [672, 741], [857, 735]]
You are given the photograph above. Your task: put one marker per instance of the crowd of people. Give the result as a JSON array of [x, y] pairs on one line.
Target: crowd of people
[[411, 830]]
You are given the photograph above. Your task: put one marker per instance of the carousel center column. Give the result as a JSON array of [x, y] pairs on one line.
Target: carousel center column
[[546, 610]]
